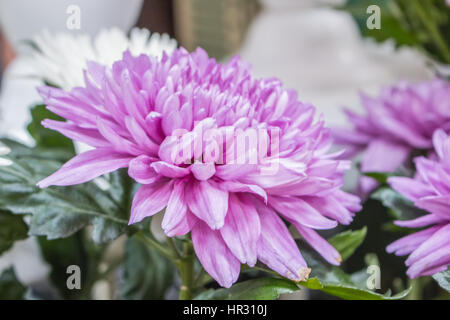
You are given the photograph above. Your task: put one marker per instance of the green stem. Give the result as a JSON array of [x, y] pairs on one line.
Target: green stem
[[184, 262], [418, 285], [173, 248], [186, 269], [432, 29], [154, 244]]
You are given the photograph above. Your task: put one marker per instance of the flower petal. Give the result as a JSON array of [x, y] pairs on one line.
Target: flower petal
[[241, 229], [86, 166], [300, 211], [214, 255], [169, 170], [319, 244], [208, 203], [177, 219], [141, 171], [149, 200], [277, 248], [89, 136]]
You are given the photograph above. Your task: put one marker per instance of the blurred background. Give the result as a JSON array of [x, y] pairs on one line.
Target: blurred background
[[309, 44]]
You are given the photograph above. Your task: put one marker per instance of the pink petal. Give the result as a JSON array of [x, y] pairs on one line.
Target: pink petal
[[140, 136], [141, 171], [208, 203], [169, 170], [234, 186], [214, 255], [241, 230], [177, 220], [203, 171], [319, 244], [438, 240], [276, 247], [149, 200], [300, 211], [439, 205], [383, 156], [410, 188], [420, 222], [89, 136], [120, 143], [86, 166], [407, 244]]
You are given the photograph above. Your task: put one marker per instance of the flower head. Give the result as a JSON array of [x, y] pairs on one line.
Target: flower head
[[226, 155], [61, 58], [401, 120], [428, 249]]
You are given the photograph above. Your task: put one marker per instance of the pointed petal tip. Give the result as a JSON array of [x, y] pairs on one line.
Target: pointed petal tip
[[302, 274]]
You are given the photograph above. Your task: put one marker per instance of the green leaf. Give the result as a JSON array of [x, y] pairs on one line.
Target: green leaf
[[381, 177], [257, 289], [443, 279], [46, 138], [12, 228], [421, 24], [399, 206], [59, 212], [391, 25], [10, 287], [348, 241], [349, 292], [334, 281], [62, 253], [146, 273]]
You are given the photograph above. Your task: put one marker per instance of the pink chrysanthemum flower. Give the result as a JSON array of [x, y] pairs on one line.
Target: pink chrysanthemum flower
[[143, 112], [429, 249], [401, 120]]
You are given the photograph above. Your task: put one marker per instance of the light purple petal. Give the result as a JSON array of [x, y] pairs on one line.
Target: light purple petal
[[208, 203], [89, 136], [169, 170], [439, 205], [300, 211], [241, 229], [141, 171], [86, 166], [150, 199], [177, 220], [410, 188], [214, 255], [203, 171], [438, 240], [234, 186], [277, 248], [408, 244], [319, 244], [420, 222]]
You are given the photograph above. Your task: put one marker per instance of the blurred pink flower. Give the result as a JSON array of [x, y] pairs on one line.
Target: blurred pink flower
[[428, 249], [139, 113], [401, 120]]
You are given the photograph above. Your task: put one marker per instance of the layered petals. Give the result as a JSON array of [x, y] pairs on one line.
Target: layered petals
[[214, 255], [224, 156], [428, 249]]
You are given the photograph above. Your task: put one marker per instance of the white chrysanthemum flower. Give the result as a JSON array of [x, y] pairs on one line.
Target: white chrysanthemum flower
[[61, 58], [4, 150]]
